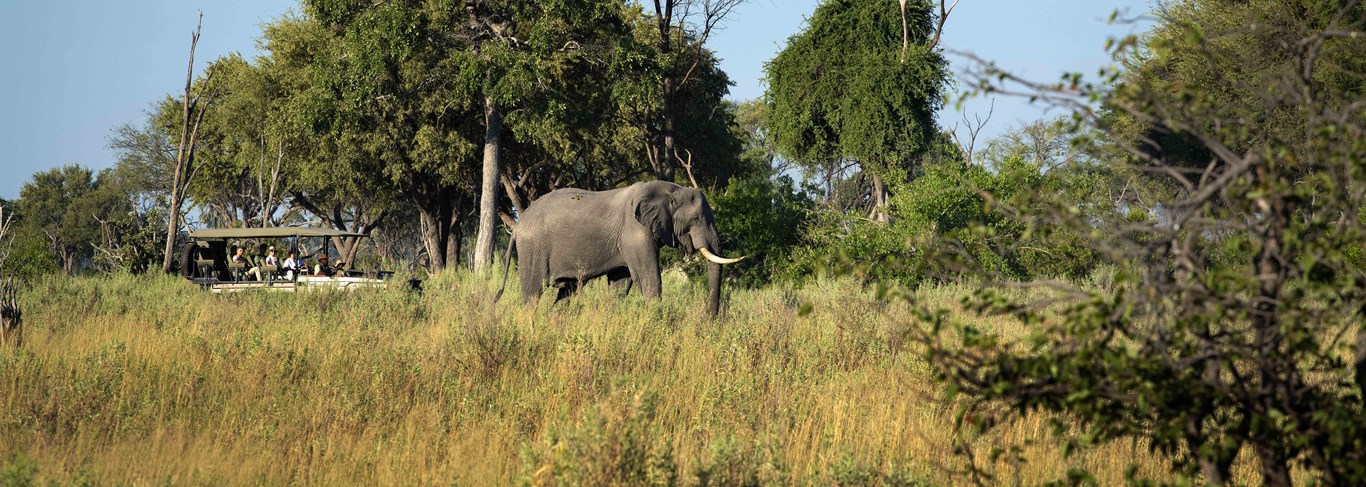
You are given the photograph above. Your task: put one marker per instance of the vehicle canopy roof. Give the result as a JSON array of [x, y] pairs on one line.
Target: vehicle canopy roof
[[276, 232]]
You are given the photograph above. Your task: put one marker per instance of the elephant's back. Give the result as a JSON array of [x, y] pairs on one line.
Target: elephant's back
[[568, 207], [570, 202]]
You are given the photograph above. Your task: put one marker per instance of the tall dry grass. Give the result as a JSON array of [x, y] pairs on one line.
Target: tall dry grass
[[141, 380]]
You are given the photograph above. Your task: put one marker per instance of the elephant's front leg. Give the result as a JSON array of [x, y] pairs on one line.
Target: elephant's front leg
[[564, 289], [642, 258]]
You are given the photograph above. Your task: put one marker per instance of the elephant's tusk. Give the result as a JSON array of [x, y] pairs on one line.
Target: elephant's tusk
[[719, 260]]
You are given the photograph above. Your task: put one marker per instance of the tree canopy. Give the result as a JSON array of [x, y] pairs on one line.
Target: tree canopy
[[848, 90]]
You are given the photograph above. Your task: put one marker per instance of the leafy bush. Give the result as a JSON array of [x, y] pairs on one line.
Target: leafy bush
[[29, 257], [985, 213], [761, 218], [18, 471]]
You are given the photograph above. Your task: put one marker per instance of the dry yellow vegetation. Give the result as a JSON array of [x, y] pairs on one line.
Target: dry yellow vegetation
[[142, 380]]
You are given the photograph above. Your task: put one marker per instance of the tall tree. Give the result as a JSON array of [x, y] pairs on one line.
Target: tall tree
[[192, 114], [682, 29], [395, 106], [302, 162], [527, 54], [859, 87]]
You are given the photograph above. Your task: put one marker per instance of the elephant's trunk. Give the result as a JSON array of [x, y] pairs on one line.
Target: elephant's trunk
[[711, 244], [714, 286]]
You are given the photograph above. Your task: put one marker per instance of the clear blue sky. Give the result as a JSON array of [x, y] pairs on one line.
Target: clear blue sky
[[74, 70]]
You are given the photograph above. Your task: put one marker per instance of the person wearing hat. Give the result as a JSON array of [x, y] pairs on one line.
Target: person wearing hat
[[324, 268], [270, 257], [255, 271], [270, 260]]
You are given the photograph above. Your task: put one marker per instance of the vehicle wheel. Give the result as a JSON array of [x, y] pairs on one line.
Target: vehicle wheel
[[188, 256]]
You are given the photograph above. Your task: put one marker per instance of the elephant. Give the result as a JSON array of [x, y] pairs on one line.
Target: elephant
[[570, 236]]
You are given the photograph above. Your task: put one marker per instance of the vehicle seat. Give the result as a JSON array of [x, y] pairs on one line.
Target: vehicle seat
[[237, 269], [205, 267], [268, 272]]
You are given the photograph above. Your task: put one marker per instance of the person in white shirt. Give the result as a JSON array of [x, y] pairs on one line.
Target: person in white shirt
[[255, 272], [239, 256], [291, 265]]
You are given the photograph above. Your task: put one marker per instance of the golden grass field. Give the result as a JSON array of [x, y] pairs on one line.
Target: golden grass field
[[147, 380]]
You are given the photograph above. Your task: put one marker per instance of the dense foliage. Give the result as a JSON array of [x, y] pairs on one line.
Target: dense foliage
[[1232, 324]]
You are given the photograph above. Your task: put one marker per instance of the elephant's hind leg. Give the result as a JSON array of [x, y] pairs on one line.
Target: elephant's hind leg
[[620, 280], [533, 278]]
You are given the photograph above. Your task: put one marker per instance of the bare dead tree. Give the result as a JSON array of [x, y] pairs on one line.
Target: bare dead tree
[[687, 166], [974, 128], [943, 17], [6, 242], [193, 108]]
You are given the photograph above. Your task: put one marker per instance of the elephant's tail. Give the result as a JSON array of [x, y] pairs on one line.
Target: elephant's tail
[[507, 264]]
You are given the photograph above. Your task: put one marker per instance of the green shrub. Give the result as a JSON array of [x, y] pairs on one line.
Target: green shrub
[[761, 218], [18, 471]]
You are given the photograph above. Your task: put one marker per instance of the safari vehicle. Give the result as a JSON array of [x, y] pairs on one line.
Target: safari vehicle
[[206, 261]]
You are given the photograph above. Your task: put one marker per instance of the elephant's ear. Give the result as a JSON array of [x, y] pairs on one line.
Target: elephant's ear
[[654, 210]]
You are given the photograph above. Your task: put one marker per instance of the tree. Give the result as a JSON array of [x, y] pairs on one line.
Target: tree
[[520, 53], [395, 107], [56, 205], [192, 114], [858, 87], [238, 156], [23, 251], [6, 227], [1203, 345], [146, 154], [682, 28], [296, 160]]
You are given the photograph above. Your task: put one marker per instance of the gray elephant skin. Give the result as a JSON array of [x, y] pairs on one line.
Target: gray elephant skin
[[570, 236]]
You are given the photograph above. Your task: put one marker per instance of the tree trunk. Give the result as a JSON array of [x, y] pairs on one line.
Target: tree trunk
[[878, 194], [184, 156], [455, 241], [488, 197], [511, 190], [664, 17], [347, 249], [1359, 362], [435, 232], [172, 226], [666, 160], [68, 257], [905, 31]]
